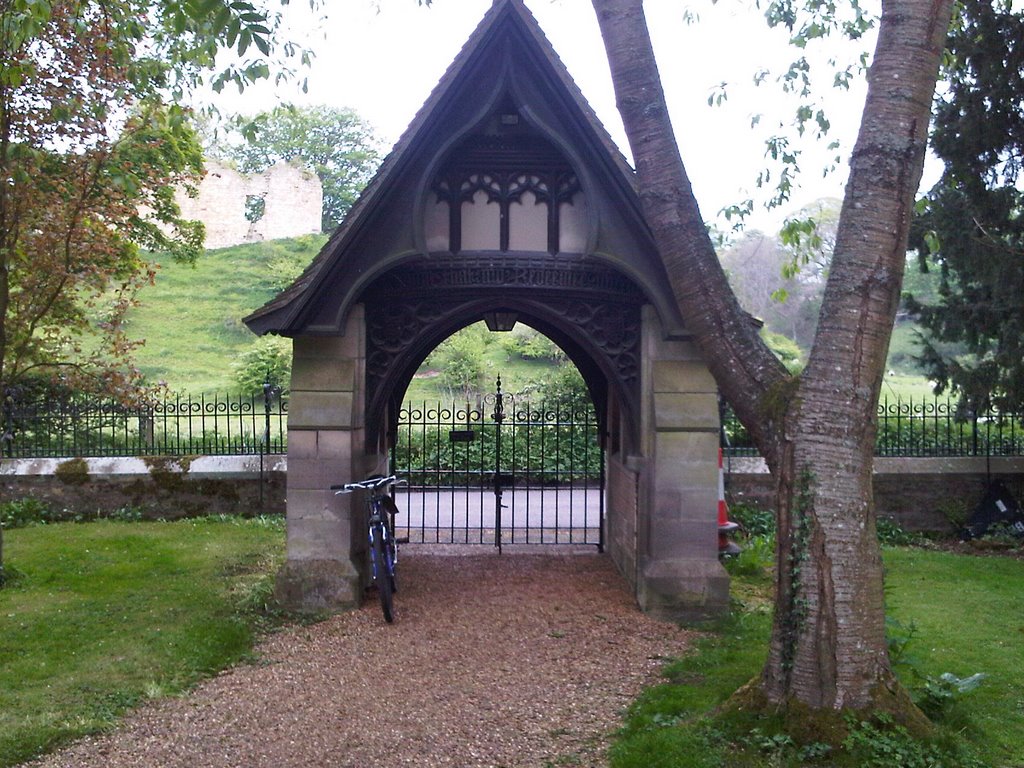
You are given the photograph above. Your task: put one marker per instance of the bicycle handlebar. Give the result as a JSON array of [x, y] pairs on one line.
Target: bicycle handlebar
[[369, 484]]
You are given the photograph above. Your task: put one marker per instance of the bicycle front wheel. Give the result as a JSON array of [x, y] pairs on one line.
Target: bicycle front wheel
[[383, 571]]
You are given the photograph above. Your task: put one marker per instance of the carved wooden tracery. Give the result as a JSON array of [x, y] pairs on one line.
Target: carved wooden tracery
[[505, 169], [596, 307], [533, 266], [551, 190]]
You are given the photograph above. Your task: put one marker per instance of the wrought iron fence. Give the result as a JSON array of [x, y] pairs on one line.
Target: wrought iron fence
[[926, 427], [172, 426], [457, 445], [234, 425]]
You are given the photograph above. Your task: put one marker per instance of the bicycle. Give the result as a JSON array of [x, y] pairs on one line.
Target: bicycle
[[383, 545]]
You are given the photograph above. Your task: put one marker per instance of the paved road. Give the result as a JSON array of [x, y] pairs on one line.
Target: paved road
[[530, 516]]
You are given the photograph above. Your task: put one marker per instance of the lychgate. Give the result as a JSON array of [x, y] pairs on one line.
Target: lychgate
[[505, 200]]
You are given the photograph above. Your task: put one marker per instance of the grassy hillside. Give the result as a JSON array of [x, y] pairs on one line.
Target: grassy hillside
[[191, 321], [191, 318]]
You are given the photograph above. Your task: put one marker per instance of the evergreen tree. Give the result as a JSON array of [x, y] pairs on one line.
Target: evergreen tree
[[970, 225]]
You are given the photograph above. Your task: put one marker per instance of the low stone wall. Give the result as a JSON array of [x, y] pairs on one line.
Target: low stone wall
[[159, 487], [921, 494]]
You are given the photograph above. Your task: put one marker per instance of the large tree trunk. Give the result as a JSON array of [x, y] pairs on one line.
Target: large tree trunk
[[828, 647], [828, 643], [743, 366]]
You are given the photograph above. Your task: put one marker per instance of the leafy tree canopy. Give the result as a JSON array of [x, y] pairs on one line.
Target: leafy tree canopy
[[92, 145], [336, 143], [970, 225], [91, 149]]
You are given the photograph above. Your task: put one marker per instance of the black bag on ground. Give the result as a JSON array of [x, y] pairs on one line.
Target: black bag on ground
[[997, 506]]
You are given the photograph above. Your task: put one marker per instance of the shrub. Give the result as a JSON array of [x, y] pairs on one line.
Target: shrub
[[561, 386], [529, 344], [881, 743], [22, 512], [269, 359], [756, 557], [460, 359], [892, 534], [784, 348], [754, 520]]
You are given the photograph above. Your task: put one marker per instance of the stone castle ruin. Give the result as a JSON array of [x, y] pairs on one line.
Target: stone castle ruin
[[283, 201]]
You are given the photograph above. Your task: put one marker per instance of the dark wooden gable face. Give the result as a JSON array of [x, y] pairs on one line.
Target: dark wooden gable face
[[505, 162], [506, 188]]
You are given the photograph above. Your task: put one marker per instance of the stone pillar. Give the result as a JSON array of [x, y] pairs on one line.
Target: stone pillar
[[325, 447], [679, 575]]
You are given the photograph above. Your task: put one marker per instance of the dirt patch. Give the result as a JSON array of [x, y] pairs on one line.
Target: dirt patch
[[981, 547]]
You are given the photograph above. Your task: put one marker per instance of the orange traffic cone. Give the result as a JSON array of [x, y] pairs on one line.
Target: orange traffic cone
[[726, 548]]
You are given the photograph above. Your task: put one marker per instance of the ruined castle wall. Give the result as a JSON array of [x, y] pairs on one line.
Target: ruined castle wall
[[292, 204]]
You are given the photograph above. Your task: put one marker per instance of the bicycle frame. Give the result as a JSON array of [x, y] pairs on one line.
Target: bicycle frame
[[380, 531], [380, 526]]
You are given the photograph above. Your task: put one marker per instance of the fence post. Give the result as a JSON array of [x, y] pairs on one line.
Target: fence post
[[269, 391], [974, 432], [7, 427], [499, 417], [147, 429]]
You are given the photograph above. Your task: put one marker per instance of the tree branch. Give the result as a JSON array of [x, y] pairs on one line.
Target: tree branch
[[747, 372]]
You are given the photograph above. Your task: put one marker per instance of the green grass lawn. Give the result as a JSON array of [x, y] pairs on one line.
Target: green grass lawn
[[968, 615], [191, 320], [907, 387], [103, 615]]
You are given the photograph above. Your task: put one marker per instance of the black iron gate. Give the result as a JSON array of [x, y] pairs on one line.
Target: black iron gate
[[503, 470]]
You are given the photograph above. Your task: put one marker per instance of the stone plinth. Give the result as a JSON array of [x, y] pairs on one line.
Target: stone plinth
[[325, 569]]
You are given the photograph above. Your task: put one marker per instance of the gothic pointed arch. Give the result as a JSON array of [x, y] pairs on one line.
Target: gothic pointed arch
[[591, 311]]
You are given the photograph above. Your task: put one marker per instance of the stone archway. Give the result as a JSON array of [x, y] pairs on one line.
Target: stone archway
[[504, 195], [661, 491]]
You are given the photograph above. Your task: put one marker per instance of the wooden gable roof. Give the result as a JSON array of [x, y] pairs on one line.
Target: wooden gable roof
[[508, 25]]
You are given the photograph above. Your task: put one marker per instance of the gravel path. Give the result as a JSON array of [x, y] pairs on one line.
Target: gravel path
[[517, 660]]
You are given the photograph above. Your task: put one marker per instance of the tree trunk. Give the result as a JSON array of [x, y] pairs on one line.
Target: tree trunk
[[828, 646], [828, 649]]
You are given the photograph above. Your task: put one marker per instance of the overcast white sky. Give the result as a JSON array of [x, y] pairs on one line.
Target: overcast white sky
[[383, 62]]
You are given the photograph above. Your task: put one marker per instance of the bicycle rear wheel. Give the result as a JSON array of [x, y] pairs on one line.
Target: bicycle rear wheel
[[392, 560], [383, 571]]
